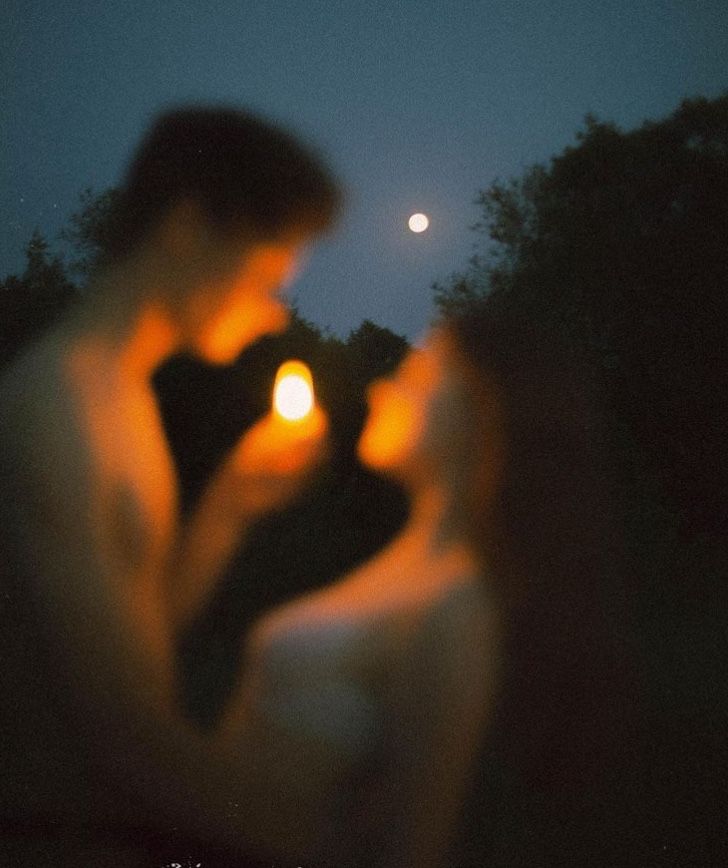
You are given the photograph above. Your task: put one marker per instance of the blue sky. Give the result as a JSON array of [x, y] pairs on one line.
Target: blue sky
[[416, 104]]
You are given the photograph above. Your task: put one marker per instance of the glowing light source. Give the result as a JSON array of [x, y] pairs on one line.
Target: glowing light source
[[293, 391], [418, 222]]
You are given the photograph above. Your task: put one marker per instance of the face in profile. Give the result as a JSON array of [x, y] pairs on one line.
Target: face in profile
[[225, 290], [420, 418], [241, 301]]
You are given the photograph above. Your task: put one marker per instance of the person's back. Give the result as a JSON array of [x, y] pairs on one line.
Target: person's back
[[386, 678], [559, 780]]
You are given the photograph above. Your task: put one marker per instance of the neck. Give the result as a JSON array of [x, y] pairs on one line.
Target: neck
[[435, 519]]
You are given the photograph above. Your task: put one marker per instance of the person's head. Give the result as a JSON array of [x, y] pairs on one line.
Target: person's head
[[501, 404], [225, 202], [495, 404], [434, 421]]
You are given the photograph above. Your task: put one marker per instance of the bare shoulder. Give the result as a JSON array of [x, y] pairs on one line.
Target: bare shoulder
[[37, 421], [328, 613], [363, 600], [464, 605], [304, 636], [73, 428]]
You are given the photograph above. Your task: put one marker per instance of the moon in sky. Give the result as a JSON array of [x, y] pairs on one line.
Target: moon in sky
[[418, 222]]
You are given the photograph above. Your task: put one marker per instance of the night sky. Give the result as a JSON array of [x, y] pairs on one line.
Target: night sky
[[417, 105]]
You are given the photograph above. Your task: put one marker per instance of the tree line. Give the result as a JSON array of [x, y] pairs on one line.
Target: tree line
[[620, 243]]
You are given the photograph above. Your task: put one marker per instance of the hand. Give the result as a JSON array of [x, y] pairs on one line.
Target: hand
[[274, 458]]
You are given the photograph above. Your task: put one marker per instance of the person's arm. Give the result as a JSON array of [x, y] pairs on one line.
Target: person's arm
[[262, 473]]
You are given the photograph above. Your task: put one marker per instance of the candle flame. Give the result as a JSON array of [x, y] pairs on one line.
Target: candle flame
[[293, 391]]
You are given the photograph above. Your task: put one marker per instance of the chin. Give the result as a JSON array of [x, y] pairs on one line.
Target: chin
[[380, 455], [387, 441], [224, 347], [227, 338], [216, 355]]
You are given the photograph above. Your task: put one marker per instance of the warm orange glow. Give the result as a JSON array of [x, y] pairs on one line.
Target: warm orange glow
[[398, 406], [240, 322], [293, 391], [275, 448], [392, 427]]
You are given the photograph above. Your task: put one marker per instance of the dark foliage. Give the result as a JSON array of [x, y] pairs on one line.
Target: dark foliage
[[90, 230], [620, 244], [32, 302]]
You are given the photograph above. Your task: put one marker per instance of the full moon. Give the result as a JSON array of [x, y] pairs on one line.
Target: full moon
[[418, 222]]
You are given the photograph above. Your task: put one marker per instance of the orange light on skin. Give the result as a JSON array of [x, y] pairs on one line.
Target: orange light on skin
[[393, 426], [293, 397], [399, 409]]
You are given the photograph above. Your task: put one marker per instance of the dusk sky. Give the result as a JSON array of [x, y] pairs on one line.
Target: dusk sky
[[416, 104]]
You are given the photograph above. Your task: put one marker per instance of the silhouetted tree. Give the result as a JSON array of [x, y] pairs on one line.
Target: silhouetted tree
[[621, 243], [33, 301], [623, 240], [374, 351], [90, 229]]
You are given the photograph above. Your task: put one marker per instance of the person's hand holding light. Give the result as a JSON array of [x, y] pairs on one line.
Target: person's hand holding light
[[276, 455], [293, 398], [263, 472]]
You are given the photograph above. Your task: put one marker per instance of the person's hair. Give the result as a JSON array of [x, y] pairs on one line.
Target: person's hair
[[554, 775], [247, 176]]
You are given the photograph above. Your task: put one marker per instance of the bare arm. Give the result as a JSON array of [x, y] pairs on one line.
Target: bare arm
[[263, 472]]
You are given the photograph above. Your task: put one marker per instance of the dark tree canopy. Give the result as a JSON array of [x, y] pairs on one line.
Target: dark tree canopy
[[33, 301], [374, 351], [623, 241], [89, 230], [620, 243]]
